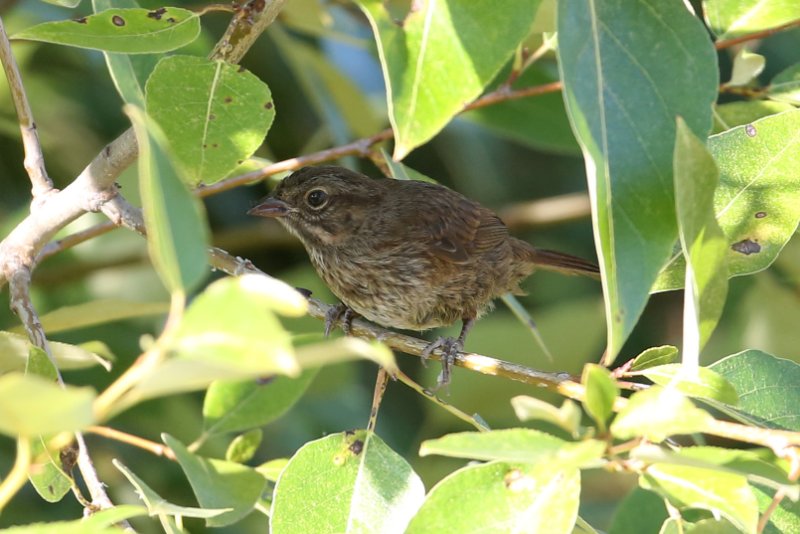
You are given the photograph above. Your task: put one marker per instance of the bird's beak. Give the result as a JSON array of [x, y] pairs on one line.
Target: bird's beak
[[270, 207]]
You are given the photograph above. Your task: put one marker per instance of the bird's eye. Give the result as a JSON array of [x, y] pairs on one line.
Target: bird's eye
[[316, 198]]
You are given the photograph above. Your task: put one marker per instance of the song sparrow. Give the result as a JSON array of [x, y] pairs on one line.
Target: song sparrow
[[406, 254]]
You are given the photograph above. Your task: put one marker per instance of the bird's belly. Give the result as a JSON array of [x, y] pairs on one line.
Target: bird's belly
[[398, 294]]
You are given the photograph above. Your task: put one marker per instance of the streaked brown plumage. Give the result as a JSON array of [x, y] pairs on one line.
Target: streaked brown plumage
[[406, 254]]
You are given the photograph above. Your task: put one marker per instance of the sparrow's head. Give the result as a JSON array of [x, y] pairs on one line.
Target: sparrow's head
[[321, 205]]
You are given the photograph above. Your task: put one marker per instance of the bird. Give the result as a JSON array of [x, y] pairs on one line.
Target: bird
[[404, 253]]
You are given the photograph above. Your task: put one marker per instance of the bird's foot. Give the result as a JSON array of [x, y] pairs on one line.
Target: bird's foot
[[340, 314], [450, 347]]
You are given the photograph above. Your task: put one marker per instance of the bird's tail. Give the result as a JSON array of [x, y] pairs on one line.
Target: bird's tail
[[563, 263]]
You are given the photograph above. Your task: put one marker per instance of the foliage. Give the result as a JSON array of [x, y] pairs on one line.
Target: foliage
[[693, 185]]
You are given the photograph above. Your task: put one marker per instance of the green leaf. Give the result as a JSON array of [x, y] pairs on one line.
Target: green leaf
[[244, 446], [100, 522], [704, 383], [734, 18], [757, 203], [359, 485], [540, 122], [785, 87], [440, 57], [219, 484], [758, 466], [568, 416], [97, 312], [601, 392], [516, 445], [177, 231], [235, 406], [155, 503], [64, 3], [32, 406], [746, 67], [129, 31], [218, 118], [128, 72], [14, 354], [640, 511], [345, 349], [622, 98], [721, 492], [658, 413], [272, 469], [45, 471], [229, 332], [702, 241], [502, 497], [655, 356], [399, 171], [733, 114], [769, 387]]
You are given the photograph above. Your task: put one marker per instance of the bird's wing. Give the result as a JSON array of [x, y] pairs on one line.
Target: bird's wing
[[456, 231]]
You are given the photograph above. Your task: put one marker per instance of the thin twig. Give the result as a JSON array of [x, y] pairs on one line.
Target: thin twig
[[727, 43], [356, 148], [471, 420], [34, 159], [380, 389], [158, 449]]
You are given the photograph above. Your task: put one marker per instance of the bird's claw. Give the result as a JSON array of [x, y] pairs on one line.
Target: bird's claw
[[450, 348], [340, 314]]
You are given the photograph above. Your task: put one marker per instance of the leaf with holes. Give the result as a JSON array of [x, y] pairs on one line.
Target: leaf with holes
[[129, 31], [216, 121], [757, 202]]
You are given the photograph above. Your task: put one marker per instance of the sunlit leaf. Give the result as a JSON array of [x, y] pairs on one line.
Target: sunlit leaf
[[568, 416], [721, 492], [622, 99], [441, 57], [658, 413], [502, 497], [219, 484], [757, 203], [155, 503], [360, 485], [130, 31], [654, 356], [235, 406], [14, 354], [177, 231], [702, 241], [704, 383], [769, 387], [734, 18], [601, 393], [244, 446], [515, 445], [785, 87], [32, 406], [218, 118]]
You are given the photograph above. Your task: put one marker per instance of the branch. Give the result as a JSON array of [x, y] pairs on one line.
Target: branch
[[727, 43], [34, 160], [93, 190]]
